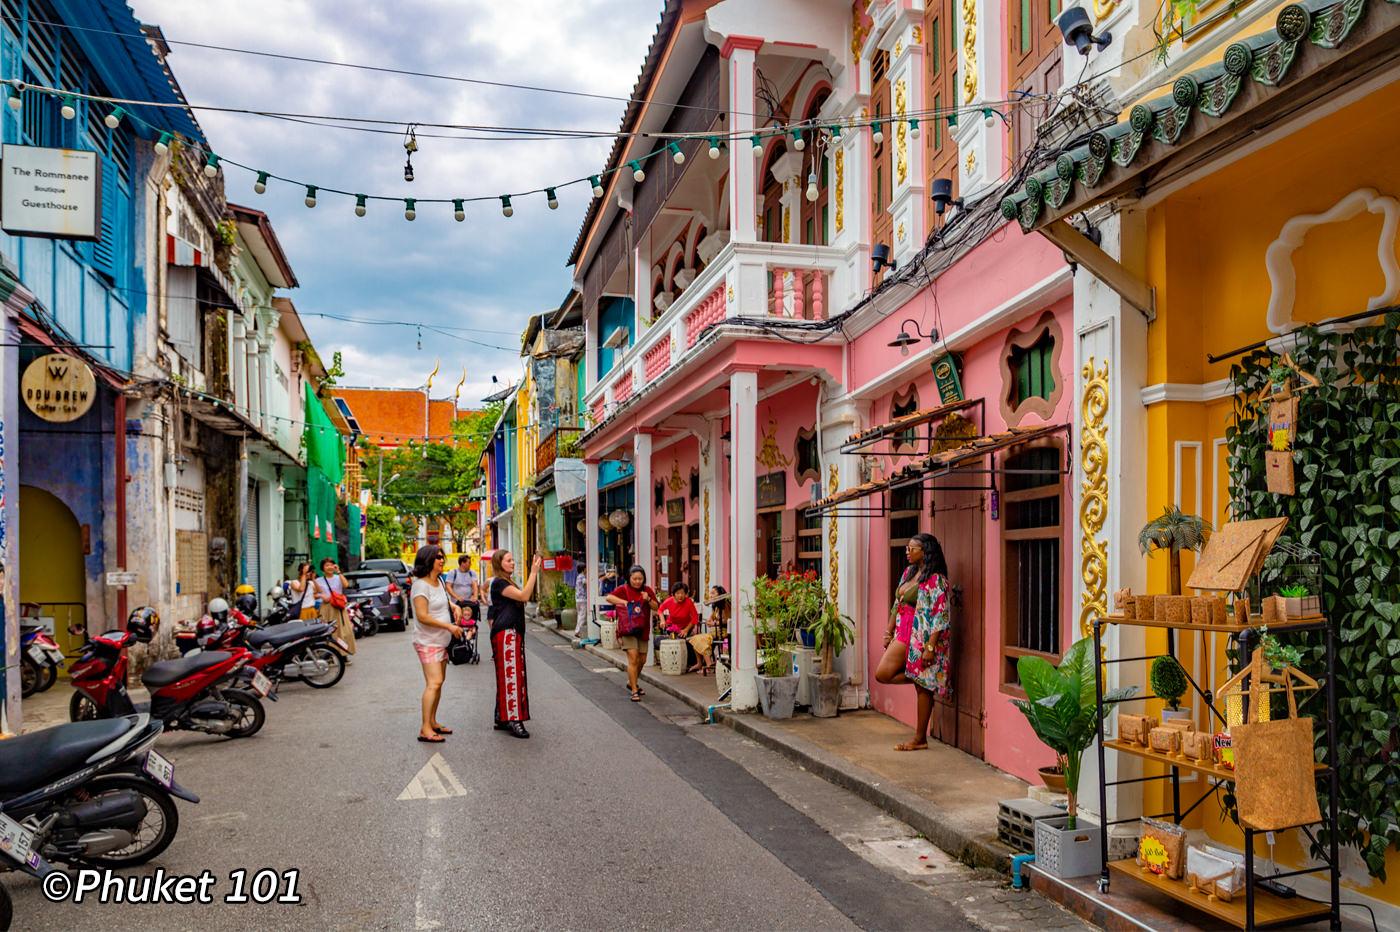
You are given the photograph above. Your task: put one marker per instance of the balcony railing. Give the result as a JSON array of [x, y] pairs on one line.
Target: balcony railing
[[546, 452], [778, 280]]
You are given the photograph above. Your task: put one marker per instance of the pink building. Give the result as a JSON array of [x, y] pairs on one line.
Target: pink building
[[739, 336]]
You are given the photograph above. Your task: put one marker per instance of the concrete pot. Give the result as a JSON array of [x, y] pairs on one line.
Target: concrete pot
[[607, 636], [777, 695], [672, 655], [804, 666], [1184, 714], [568, 619], [826, 694]]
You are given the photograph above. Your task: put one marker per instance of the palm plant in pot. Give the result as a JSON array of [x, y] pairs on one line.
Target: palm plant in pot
[[832, 633], [1173, 531]]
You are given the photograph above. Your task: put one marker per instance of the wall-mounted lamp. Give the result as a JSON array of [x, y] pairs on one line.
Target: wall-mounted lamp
[[1079, 32], [942, 196], [906, 339], [880, 258]]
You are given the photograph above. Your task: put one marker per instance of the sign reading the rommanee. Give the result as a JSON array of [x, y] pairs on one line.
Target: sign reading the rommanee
[[50, 192]]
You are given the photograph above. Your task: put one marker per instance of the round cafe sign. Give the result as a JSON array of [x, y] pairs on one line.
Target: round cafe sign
[[58, 387]]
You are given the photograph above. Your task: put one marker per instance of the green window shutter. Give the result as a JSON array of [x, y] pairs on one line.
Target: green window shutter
[[1025, 26]]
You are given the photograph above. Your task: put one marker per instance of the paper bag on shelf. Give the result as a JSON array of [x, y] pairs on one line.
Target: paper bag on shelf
[[1199, 746]]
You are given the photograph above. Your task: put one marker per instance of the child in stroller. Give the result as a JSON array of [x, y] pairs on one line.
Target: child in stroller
[[466, 618]]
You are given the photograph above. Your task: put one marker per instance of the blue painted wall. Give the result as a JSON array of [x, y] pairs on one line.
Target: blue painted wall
[[614, 313]]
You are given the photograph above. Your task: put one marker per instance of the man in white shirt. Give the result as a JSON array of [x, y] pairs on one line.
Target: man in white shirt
[[465, 588]]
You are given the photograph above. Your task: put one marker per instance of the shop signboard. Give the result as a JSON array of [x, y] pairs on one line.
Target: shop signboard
[[55, 193], [58, 387], [772, 490], [948, 379]]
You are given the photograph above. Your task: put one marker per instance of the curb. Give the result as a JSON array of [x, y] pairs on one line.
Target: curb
[[910, 808]]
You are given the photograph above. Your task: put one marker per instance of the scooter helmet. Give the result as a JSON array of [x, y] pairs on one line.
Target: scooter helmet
[[244, 589], [142, 623], [247, 603], [218, 610], [205, 629]]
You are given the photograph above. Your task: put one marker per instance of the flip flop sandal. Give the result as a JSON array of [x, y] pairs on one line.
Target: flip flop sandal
[[437, 739], [637, 695], [443, 730]]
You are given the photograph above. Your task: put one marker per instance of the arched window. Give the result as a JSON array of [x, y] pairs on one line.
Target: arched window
[[816, 214], [771, 223]]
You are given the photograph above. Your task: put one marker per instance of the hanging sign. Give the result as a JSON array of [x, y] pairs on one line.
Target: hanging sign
[[58, 387], [947, 378], [772, 490], [51, 192]]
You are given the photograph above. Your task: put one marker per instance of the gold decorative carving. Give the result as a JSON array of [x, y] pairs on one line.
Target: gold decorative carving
[[969, 43], [1093, 498], [768, 453], [707, 539], [898, 47], [787, 225], [858, 29], [834, 570], [840, 188], [953, 432], [970, 161], [899, 232], [901, 132], [1102, 8], [730, 295], [917, 36], [674, 481]]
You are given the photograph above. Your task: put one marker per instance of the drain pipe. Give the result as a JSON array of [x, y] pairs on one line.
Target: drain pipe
[[1017, 862], [721, 704]]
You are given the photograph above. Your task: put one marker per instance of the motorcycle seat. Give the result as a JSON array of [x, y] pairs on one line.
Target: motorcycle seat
[[276, 637], [169, 671], [30, 761]]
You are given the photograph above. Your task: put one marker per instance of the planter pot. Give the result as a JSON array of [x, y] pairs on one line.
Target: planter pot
[[607, 637], [568, 619], [721, 678], [826, 694], [1304, 605], [1053, 779], [806, 638], [672, 656], [804, 667], [777, 695], [1180, 714], [1063, 853]]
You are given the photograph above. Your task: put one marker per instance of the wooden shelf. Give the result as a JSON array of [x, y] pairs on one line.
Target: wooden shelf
[[1223, 629], [1185, 763], [1269, 910]]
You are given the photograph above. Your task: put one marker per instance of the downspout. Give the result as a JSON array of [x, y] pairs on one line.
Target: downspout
[[119, 467]]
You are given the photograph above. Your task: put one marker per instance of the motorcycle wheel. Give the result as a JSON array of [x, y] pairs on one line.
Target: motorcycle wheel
[[251, 713], [156, 831], [30, 676], [335, 667], [7, 910], [371, 628], [50, 676], [82, 709]]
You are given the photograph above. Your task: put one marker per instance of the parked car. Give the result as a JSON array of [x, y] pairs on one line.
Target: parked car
[[379, 589], [394, 567]]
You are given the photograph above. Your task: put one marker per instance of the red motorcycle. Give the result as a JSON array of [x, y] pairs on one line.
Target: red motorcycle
[[308, 651], [190, 693]]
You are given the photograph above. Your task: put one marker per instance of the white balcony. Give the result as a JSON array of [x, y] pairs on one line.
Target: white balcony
[[783, 281]]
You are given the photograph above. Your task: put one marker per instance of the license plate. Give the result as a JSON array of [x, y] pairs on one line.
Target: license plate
[[261, 684], [160, 769], [55, 654], [17, 841], [339, 643], [38, 654]]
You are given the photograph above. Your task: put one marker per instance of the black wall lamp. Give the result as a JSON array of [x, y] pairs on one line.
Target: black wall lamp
[[942, 195], [1079, 32], [880, 258], [906, 340]]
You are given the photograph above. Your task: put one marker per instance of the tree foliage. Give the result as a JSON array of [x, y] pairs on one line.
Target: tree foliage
[[1347, 509], [383, 533]]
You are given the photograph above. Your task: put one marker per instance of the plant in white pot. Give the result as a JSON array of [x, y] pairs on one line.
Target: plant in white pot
[[1168, 682], [777, 684], [832, 633]]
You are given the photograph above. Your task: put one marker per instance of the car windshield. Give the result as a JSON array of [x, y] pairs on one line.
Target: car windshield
[[392, 566], [364, 581]]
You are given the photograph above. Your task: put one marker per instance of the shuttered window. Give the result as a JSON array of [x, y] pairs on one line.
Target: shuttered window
[[1032, 533]]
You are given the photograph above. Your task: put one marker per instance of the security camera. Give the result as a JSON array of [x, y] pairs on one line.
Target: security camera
[[1079, 32]]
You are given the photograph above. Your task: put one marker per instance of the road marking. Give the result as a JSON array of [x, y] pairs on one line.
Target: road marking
[[604, 670], [222, 818], [430, 875], [435, 781]]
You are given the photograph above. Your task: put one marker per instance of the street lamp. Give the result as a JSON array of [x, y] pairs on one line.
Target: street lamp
[[380, 495]]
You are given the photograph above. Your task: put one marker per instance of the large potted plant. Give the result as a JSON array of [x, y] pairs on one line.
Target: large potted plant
[[1061, 709], [1173, 531], [777, 684], [568, 611], [832, 633]]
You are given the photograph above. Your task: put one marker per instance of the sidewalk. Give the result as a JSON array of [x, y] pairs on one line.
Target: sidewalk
[[948, 796]]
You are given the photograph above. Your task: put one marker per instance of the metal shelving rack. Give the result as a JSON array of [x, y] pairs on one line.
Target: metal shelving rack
[[1260, 908]]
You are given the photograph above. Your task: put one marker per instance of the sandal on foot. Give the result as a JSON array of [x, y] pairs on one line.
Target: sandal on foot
[[442, 729], [636, 695], [435, 739]]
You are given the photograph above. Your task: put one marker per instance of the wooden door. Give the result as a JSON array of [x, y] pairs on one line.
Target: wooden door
[[675, 571], [692, 563], [959, 523], [770, 542]]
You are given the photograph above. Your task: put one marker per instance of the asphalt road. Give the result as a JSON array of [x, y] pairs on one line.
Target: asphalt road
[[612, 815]]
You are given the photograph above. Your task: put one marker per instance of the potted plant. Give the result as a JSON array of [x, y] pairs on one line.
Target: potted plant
[[1174, 531], [777, 684], [832, 633], [1168, 681], [1061, 709], [568, 610], [1297, 602]]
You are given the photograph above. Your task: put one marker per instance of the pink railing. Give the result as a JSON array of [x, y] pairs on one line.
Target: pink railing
[[623, 390], [597, 411], [657, 360], [799, 293], [709, 311]]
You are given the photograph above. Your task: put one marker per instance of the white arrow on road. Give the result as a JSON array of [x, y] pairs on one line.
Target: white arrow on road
[[435, 781]]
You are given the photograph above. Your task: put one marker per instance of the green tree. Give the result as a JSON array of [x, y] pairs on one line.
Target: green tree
[[383, 533]]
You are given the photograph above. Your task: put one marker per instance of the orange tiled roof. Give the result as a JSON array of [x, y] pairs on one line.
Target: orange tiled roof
[[390, 417]]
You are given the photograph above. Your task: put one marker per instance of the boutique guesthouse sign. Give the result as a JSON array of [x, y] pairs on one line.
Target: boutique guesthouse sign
[[50, 192], [58, 387]]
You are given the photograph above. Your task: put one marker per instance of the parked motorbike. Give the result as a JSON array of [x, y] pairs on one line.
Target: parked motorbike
[[92, 793], [364, 618], [308, 651], [40, 660], [192, 693], [279, 607]]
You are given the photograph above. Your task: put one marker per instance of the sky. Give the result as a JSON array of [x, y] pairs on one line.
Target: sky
[[488, 273]]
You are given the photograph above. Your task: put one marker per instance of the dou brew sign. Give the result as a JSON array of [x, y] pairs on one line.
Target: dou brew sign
[[58, 387]]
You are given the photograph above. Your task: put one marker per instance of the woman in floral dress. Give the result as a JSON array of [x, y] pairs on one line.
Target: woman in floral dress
[[919, 636]]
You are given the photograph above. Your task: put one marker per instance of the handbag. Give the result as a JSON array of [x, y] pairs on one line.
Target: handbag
[[1275, 782], [633, 621], [459, 651], [338, 600]]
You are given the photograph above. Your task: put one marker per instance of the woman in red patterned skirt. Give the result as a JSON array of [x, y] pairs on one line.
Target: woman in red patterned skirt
[[507, 617]]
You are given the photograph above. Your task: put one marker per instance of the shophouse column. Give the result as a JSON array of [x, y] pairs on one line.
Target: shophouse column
[[743, 430], [253, 403], [741, 53], [845, 546], [713, 527], [238, 356]]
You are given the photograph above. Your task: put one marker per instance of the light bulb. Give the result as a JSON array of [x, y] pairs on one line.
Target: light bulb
[[812, 186], [408, 208], [506, 209], [553, 199], [987, 118], [113, 119], [836, 132], [877, 134], [360, 206], [162, 145], [798, 142], [16, 100], [407, 171], [714, 148], [68, 110], [914, 128], [597, 185], [904, 349], [637, 174], [757, 146], [311, 195], [677, 155], [261, 184], [459, 212], [211, 165]]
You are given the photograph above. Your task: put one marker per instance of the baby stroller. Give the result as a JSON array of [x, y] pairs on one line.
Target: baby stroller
[[464, 650]]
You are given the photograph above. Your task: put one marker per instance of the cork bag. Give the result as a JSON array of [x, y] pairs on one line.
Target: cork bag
[[1274, 776]]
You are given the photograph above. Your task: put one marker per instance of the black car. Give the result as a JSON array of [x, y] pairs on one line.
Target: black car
[[394, 567], [379, 589]]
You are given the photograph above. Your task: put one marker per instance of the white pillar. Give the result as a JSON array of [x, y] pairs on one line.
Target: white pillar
[[238, 355], [743, 213], [743, 429], [711, 514], [641, 285], [592, 562], [253, 403], [265, 383]]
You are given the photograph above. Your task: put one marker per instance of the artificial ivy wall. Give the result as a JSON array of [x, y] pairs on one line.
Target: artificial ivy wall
[[1347, 509]]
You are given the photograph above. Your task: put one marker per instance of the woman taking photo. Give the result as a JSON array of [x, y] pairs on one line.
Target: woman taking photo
[[919, 633], [433, 630], [507, 614], [635, 598], [330, 589], [303, 588]]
